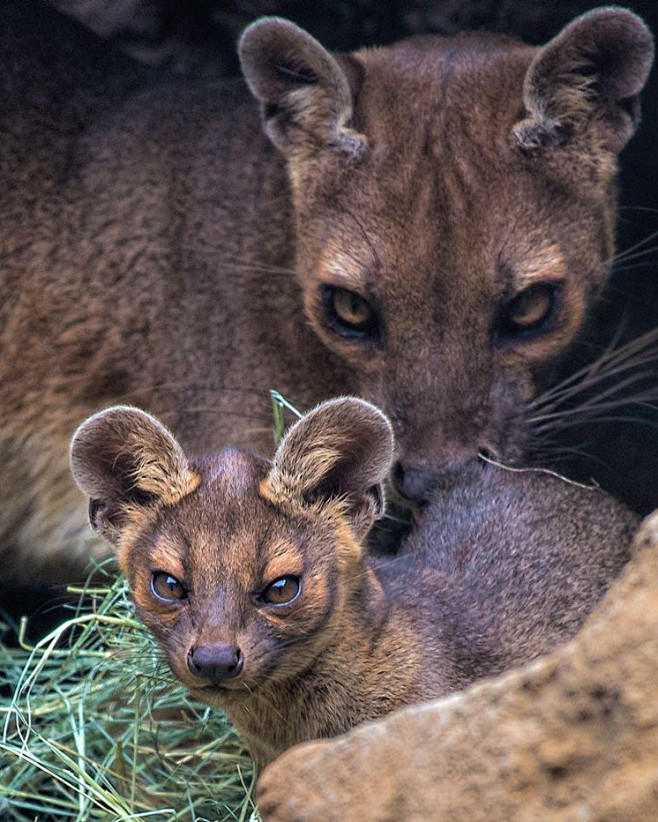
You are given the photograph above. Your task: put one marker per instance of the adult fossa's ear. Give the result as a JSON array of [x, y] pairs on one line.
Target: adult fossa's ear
[[129, 465], [304, 92], [343, 449], [592, 72]]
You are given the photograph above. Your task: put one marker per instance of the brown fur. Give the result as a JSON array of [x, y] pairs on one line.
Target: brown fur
[[497, 575], [572, 737], [154, 238]]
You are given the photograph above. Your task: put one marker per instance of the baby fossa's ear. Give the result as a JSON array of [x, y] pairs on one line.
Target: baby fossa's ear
[[343, 449], [591, 73], [129, 465], [305, 93]]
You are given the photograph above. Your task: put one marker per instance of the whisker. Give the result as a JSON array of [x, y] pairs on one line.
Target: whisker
[[371, 245], [200, 409], [596, 401], [638, 208], [633, 247], [381, 562], [244, 262], [563, 453], [633, 267], [614, 388], [625, 257], [612, 362], [646, 401], [537, 470], [185, 385], [603, 419], [588, 370]]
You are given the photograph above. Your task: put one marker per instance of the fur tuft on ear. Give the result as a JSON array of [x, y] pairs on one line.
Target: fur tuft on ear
[[341, 449], [304, 93], [592, 71], [125, 461]]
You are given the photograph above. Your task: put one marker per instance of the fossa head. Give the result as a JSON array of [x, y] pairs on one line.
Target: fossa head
[[455, 213], [240, 567]]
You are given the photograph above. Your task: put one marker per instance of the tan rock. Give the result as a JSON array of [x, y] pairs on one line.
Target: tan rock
[[572, 738]]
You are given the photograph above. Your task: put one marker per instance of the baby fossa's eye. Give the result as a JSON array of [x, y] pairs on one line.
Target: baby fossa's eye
[[531, 311], [167, 587], [348, 313], [282, 591]]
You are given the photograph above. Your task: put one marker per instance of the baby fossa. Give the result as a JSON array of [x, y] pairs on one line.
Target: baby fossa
[[253, 578], [425, 225]]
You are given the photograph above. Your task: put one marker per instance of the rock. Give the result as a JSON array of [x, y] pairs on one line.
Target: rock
[[572, 738]]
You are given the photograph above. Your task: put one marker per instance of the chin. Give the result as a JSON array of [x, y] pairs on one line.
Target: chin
[[218, 696]]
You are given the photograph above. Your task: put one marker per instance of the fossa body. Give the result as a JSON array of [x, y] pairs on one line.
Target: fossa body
[[425, 225], [253, 577]]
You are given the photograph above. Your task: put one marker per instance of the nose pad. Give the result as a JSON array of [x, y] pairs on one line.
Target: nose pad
[[412, 483], [215, 662]]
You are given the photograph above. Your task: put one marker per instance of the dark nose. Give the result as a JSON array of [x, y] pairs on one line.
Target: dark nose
[[215, 662], [412, 483]]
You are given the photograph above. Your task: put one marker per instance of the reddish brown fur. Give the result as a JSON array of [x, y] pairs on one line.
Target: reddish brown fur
[[504, 567], [173, 243]]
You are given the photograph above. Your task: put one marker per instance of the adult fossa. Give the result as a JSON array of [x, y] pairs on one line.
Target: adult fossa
[[424, 225]]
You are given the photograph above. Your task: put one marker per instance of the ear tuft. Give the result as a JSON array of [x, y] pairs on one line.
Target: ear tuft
[[304, 93], [341, 449], [592, 71], [124, 460]]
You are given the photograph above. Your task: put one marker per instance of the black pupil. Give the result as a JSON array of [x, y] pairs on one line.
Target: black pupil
[[168, 587], [357, 307], [532, 307], [282, 590], [351, 309], [349, 313], [529, 312]]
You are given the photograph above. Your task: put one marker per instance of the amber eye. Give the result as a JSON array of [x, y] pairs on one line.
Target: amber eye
[[166, 587], [349, 313], [530, 311], [281, 591]]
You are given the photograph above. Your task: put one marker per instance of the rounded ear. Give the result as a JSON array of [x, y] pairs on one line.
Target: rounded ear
[[341, 449], [127, 462], [593, 70], [304, 93]]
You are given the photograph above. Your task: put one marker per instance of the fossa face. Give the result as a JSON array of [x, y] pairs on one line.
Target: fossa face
[[455, 214], [241, 592], [240, 567]]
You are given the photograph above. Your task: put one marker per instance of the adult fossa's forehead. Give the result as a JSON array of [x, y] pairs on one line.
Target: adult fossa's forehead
[[400, 247], [418, 85]]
